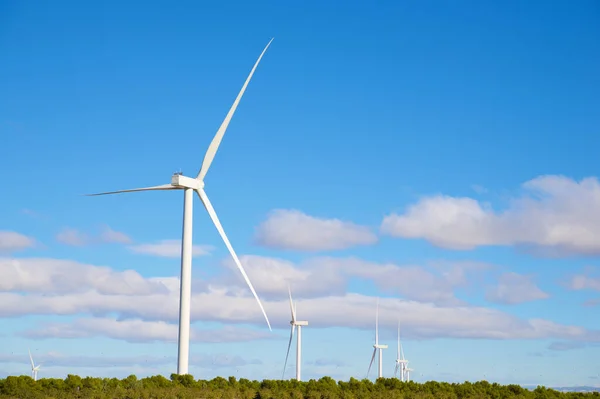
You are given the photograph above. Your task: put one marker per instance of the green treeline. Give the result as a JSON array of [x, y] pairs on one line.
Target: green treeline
[[185, 386]]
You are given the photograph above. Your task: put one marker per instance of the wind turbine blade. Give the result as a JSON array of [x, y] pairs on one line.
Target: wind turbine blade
[[215, 219], [288, 350], [402, 351], [214, 145], [396, 370], [161, 187], [377, 324], [370, 364], [31, 358], [398, 341], [292, 305]]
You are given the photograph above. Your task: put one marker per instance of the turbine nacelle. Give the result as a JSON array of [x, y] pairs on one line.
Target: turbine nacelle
[[181, 181], [299, 323], [380, 346]]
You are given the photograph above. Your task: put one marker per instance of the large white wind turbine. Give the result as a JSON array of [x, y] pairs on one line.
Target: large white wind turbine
[[400, 370], [295, 323], [377, 346], [189, 186], [34, 368]]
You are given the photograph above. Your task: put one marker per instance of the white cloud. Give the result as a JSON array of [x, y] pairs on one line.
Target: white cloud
[[221, 304], [514, 288], [412, 281], [292, 229], [11, 241], [324, 276], [558, 213], [169, 249], [419, 320], [271, 277], [127, 330], [74, 237], [112, 236], [77, 238], [584, 282], [55, 276], [140, 331]]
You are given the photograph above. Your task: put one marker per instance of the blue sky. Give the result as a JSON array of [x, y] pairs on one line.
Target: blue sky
[[440, 156]]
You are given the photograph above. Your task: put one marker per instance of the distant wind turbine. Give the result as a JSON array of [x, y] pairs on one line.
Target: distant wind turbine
[[377, 346], [407, 370], [295, 323], [401, 363], [34, 368], [189, 186]]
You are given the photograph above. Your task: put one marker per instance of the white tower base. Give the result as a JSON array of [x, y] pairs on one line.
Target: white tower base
[[299, 354], [185, 293]]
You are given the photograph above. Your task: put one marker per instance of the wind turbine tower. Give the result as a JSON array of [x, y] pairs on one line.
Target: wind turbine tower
[[377, 346], [295, 323], [190, 185], [34, 368]]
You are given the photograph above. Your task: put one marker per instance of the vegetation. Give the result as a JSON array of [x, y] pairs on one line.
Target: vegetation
[[184, 386]]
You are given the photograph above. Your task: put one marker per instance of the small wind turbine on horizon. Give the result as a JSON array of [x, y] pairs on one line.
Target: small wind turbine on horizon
[[34, 368], [400, 361], [377, 346], [407, 370], [189, 186], [295, 323]]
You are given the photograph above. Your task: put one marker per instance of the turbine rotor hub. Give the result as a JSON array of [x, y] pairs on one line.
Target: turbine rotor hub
[[182, 181]]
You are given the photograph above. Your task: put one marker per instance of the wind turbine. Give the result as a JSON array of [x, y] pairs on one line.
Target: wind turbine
[[34, 368], [295, 323], [407, 371], [400, 361], [377, 346], [189, 186]]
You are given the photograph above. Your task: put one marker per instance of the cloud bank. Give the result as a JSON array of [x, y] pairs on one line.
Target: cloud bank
[[556, 213], [155, 301], [514, 288], [294, 230], [11, 241], [169, 249], [137, 331]]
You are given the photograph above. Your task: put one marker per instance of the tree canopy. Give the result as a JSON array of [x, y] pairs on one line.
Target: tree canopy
[[185, 386]]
